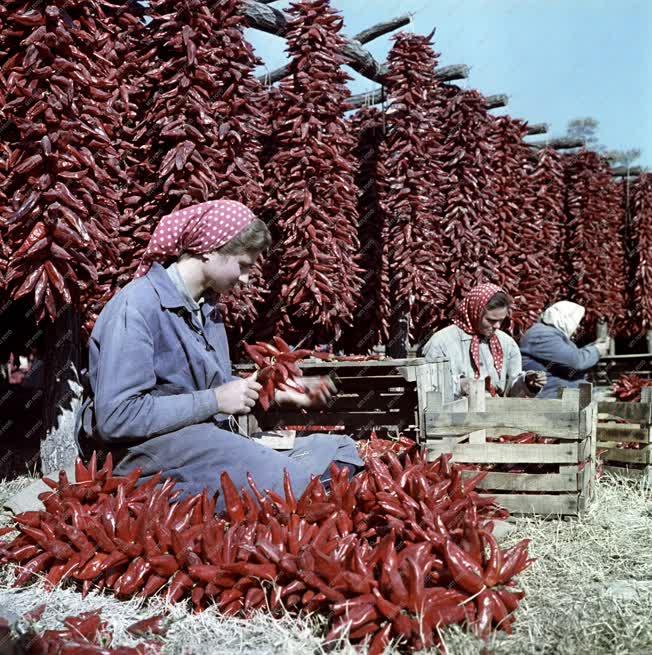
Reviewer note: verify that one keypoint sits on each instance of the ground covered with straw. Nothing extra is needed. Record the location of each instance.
(589, 592)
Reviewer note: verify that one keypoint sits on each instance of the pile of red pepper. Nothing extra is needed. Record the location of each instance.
(88, 634)
(309, 180)
(375, 447)
(641, 239)
(63, 172)
(628, 387)
(398, 551)
(412, 199)
(596, 274)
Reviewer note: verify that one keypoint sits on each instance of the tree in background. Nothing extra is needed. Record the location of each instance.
(587, 129)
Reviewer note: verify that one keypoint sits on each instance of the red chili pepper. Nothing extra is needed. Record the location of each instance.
(153, 625)
(464, 571)
(234, 507)
(35, 565)
(495, 562)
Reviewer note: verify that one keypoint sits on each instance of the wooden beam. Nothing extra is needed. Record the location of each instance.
(496, 101)
(375, 96)
(623, 171)
(537, 128)
(380, 29)
(560, 143)
(264, 18)
(273, 21)
(452, 73)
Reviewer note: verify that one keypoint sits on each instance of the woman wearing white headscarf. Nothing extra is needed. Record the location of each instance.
(548, 346)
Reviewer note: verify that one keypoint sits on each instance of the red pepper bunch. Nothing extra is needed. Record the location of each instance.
(200, 128)
(198, 135)
(544, 281)
(88, 634)
(371, 322)
(641, 240)
(375, 447)
(412, 198)
(469, 233)
(63, 167)
(398, 551)
(309, 180)
(595, 248)
(277, 368)
(628, 387)
(519, 229)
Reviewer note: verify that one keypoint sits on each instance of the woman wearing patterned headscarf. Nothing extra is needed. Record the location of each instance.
(164, 396)
(477, 348)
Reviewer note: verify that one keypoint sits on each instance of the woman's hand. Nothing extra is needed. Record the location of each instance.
(536, 380)
(237, 397)
(603, 345)
(318, 392)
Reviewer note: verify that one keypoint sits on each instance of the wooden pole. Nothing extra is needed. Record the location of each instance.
(624, 171)
(537, 128)
(63, 392)
(274, 21)
(496, 101)
(560, 143)
(380, 29)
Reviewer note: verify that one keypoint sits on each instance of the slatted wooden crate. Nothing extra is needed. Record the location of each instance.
(388, 394)
(567, 483)
(624, 422)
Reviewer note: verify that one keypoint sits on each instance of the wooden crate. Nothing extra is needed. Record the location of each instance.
(388, 394)
(572, 420)
(637, 428)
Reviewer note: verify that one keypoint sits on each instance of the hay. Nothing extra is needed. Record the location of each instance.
(586, 593)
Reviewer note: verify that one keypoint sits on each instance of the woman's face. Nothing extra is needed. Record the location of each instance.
(223, 272)
(492, 320)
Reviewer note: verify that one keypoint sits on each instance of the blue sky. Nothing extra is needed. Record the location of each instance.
(555, 59)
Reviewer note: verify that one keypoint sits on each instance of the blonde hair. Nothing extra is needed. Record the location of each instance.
(254, 238)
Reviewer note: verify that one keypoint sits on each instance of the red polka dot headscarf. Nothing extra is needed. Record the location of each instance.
(195, 230)
(469, 316)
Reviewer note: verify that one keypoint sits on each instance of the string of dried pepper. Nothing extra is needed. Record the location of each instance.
(641, 258)
(63, 165)
(277, 369)
(371, 320)
(309, 181)
(595, 248)
(412, 198)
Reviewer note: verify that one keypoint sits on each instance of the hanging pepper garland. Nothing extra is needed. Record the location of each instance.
(548, 181)
(63, 202)
(412, 200)
(595, 248)
(309, 180)
(469, 231)
(641, 248)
